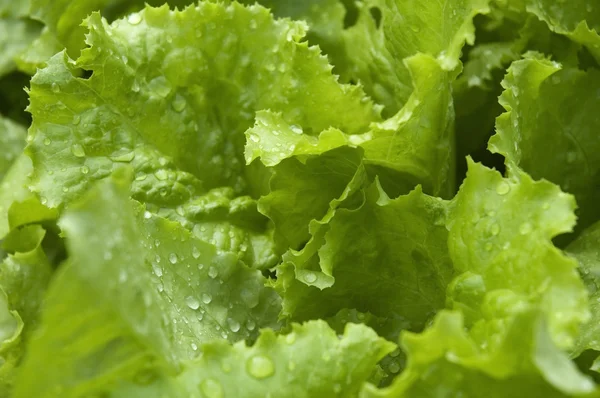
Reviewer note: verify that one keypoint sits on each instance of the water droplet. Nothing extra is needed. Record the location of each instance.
(85, 169)
(254, 138)
(195, 252)
(290, 338)
(134, 19)
(122, 276)
(147, 215)
(173, 258)
(571, 157)
(494, 229)
(253, 24)
(337, 388)
(200, 266)
(179, 103)
(555, 79)
(234, 325)
(310, 277)
(488, 246)
(395, 353)
(158, 271)
(260, 366)
(213, 272)
(65, 189)
(415, 28)
(47, 141)
(211, 388)
(525, 228)
(123, 156)
(394, 367)
(55, 88)
(160, 86)
(206, 298)
(192, 302)
(546, 206)
(161, 175)
(250, 325)
(502, 188)
(135, 87)
(296, 129)
(194, 347)
(76, 119)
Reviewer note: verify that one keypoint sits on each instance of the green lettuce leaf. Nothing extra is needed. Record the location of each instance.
(180, 292)
(13, 188)
(550, 120)
(580, 21)
(500, 232)
(12, 142)
(24, 277)
(445, 361)
(389, 31)
(416, 146)
(126, 110)
(16, 32)
(388, 257)
(586, 250)
(310, 361)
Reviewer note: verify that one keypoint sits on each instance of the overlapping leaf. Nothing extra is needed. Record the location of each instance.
(137, 290)
(551, 120)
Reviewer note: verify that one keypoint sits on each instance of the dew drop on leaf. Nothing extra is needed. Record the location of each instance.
(211, 388)
(195, 252)
(502, 188)
(134, 19)
(234, 325)
(178, 103)
(525, 228)
(260, 367)
(494, 229)
(192, 302)
(310, 277)
(157, 270)
(206, 298)
(394, 367)
(250, 325)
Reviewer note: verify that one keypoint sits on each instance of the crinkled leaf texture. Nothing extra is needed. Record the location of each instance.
(586, 250)
(387, 256)
(24, 276)
(551, 119)
(137, 293)
(517, 304)
(310, 361)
